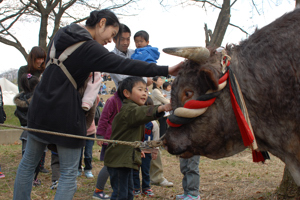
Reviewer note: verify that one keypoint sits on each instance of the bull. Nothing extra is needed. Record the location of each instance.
(267, 68)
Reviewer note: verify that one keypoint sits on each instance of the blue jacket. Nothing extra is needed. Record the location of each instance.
(148, 54)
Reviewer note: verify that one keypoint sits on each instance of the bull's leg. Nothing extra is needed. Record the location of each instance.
(294, 167)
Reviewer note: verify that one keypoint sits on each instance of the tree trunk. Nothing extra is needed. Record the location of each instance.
(220, 27)
(288, 188)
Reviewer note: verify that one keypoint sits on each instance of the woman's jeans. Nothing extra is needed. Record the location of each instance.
(145, 168)
(88, 154)
(121, 182)
(68, 159)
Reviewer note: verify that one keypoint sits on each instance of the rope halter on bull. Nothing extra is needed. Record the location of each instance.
(195, 108)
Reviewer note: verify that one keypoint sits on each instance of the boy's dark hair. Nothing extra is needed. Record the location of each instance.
(142, 34)
(149, 102)
(28, 82)
(122, 29)
(165, 85)
(127, 84)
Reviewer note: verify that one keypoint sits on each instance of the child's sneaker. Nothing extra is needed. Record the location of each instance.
(191, 197)
(136, 193)
(79, 173)
(2, 175)
(36, 182)
(148, 193)
(88, 174)
(54, 185)
(181, 196)
(100, 195)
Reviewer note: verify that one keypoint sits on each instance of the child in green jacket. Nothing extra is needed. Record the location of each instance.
(128, 125)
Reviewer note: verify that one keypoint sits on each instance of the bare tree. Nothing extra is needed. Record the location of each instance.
(215, 37)
(51, 15)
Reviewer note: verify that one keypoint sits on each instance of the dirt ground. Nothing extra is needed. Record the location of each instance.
(236, 177)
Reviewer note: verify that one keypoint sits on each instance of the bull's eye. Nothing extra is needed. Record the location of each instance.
(187, 94)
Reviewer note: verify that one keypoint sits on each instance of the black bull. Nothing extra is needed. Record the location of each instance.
(267, 67)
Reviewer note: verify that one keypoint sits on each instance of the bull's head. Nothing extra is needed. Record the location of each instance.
(199, 74)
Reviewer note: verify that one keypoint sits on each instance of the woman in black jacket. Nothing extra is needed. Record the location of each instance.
(56, 104)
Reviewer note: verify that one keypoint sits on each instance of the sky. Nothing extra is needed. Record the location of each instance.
(172, 27)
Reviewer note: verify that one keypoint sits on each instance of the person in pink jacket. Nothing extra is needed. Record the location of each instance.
(88, 100)
(112, 107)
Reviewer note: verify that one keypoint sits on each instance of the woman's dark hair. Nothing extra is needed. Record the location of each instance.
(127, 84)
(142, 34)
(28, 82)
(97, 15)
(155, 78)
(122, 29)
(165, 85)
(35, 53)
(149, 102)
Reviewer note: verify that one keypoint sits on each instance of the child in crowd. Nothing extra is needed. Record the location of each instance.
(55, 170)
(89, 103)
(1, 174)
(150, 54)
(22, 101)
(189, 167)
(112, 107)
(144, 51)
(167, 90)
(128, 125)
(151, 133)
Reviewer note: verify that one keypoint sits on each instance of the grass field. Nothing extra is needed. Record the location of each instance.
(236, 177)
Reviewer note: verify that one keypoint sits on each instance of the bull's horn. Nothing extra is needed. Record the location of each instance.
(189, 113)
(197, 54)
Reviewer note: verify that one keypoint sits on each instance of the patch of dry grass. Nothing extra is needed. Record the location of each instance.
(236, 177)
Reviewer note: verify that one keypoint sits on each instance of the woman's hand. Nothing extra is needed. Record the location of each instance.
(100, 143)
(174, 69)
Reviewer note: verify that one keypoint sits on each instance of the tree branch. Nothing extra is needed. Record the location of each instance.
(239, 28)
(233, 3)
(255, 7)
(16, 44)
(119, 5)
(205, 1)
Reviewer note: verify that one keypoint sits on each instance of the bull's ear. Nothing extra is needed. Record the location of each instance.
(209, 77)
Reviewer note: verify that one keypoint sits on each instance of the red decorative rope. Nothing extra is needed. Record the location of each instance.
(195, 104)
(173, 124)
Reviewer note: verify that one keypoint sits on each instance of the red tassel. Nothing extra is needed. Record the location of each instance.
(246, 132)
(257, 156)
